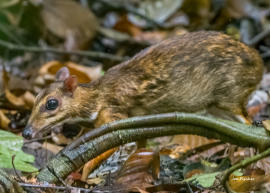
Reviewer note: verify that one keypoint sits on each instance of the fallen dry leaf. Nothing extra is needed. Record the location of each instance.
(26, 100)
(135, 172)
(52, 147)
(17, 101)
(193, 173)
(94, 181)
(78, 29)
(47, 73)
(175, 150)
(264, 164)
(141, 191)
(191, 140)
(75, 175)
(198, 12)
(18, 83)
(60, 139)
(266, 124)
(154, 37)
(265, 83)
(247, 183)
(254, 110)
(29, 99)
(91, 165)
(179, 150)
(266, 187)
(4, 121)
(84, 74)
(158, 11)
(156, 165)
(115, 162)
(252, 172)
(257, 102)
(125, 26)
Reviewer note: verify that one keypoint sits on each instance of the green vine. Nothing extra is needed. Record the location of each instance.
(124, 131)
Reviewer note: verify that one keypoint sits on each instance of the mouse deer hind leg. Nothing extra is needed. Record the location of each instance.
(243, 117)
(248, 121)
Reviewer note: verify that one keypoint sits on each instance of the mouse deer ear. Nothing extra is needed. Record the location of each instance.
(71, 84)
(62, 74)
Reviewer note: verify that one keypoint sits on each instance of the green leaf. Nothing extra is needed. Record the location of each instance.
(10, 145)
(208, 164)
(238, 173)
(6, 162)
(205, 180)
(102, 72)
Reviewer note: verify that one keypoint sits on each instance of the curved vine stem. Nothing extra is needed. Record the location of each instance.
(237, 130)
(243, 164)
(128, 130)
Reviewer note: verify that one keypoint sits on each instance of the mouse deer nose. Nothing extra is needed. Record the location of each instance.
(27, 132)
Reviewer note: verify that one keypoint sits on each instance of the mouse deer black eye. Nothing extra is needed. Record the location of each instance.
(52, 104)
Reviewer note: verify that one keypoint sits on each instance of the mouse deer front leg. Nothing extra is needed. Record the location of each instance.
(105, 116)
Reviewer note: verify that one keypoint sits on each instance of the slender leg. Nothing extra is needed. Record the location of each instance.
(248, 122)
(231, 153)
(104, 117)
(245, 120)
(141, 144)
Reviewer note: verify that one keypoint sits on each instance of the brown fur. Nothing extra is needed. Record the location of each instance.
(187, 73)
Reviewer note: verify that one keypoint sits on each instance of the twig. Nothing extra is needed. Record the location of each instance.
(266, 51)
(42, 186)
(52, 187)
(243, 164)
(258, 38)
(91, 54)
(264, 48)
(62, 181)
(189, 188)
(15, 169)
(9, 34)
(109, 181)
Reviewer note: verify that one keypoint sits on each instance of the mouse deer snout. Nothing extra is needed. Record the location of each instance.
(28, 132)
